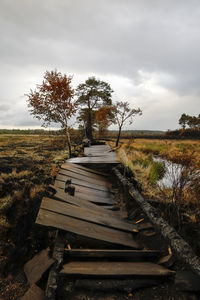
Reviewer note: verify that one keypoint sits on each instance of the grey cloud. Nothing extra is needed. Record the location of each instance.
(109, 38)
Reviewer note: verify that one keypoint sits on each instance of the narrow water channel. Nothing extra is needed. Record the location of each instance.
(172, 173)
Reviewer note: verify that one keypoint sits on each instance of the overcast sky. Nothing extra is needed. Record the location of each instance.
(148, 50)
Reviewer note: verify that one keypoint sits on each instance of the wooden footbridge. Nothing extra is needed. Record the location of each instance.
(83, 204)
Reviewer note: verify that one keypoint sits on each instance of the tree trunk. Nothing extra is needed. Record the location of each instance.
(118, 137)
(69, 142)
(89, 127)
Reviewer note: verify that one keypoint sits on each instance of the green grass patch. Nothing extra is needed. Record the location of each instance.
(157, 172)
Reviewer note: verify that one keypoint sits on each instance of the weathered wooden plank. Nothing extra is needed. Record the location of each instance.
(98, 152)
(60, 194)
(137, 255)
(81, 182)
(33, 293)
(51, 219)
(94, 198)
(76, 174)
(94, 160)
(71, 168)
(90, 191)
(89, 215)
(35, 267)
(103, 150)
(115, 269)
(77, 166)
(99, 147)
(82, 194)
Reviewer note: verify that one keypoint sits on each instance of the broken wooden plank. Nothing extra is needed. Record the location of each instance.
(33, 293)
(35, 267)
(187, 281)
(76, 174)
(60, 195)
(85, 190)
(51, 219)
(68, 165)
(89, 215)
(137, 255)
(114, 269)
(92, 198)
(81, 182)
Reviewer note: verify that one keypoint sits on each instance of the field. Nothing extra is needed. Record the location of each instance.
(28, 164)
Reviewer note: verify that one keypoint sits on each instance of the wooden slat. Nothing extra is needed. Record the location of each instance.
(94, 198)
(71, 168)
(76, 174)
(94, 160)
(35, 267)
(103, 150)
(90, 191)
(101, 174)
(82, 194)
(81, 182)
(60, 194)
(115, 269)
(86, 214)
(51, 219)
(137, 255)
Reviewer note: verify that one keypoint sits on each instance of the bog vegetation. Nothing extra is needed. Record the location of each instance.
(179, 203)
(28, 164)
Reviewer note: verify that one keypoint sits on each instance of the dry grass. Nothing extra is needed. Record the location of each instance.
(15, 175)
(36, 190)
(5, 203)
(170, 149)
(137, 156)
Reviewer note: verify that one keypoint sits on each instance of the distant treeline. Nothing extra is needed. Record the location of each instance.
(187, 133)
(30, 131)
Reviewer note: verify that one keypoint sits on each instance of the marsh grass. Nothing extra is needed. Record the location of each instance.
(179, 203)
(28, 165)
(5, 204)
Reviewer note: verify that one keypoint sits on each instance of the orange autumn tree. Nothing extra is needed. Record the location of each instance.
(104, 118)
(52, 101)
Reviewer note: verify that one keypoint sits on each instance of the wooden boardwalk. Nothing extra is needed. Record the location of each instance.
(82, 204)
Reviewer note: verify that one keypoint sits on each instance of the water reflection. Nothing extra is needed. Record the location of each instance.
(172, 173)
